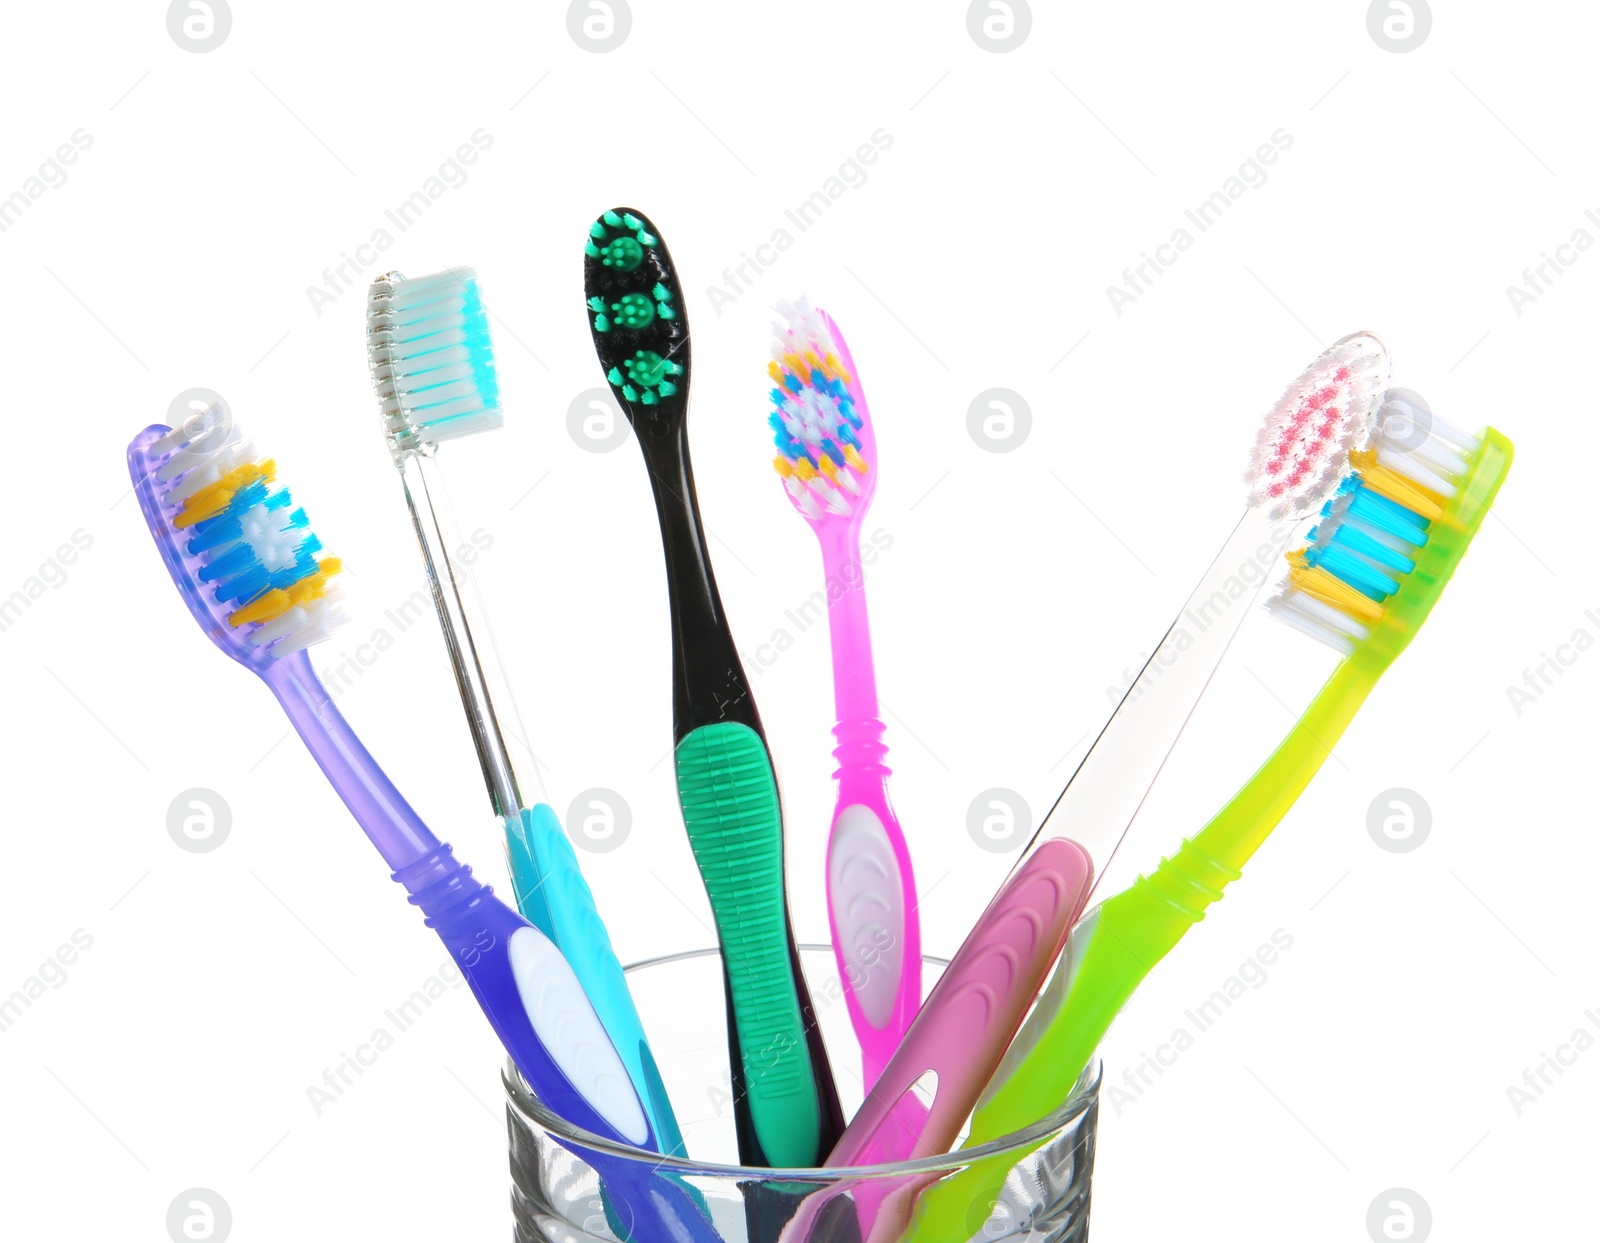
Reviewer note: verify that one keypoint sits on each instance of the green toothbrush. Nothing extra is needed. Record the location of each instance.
(1373, 569)
(784, 1102)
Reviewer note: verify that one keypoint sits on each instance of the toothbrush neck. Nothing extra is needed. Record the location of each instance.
(472, 664)
(389, 821)
(855, 686)
(1235, 833)
(708, 680)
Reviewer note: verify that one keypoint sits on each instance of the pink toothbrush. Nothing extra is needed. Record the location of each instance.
(961, 1035)
(827, 456)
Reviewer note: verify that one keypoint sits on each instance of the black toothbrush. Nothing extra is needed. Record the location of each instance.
(785, 1105)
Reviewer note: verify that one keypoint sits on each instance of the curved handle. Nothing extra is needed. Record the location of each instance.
(571, 1033)
(784, 1097)
(977, 1006)
(545, 868)
(877, 937)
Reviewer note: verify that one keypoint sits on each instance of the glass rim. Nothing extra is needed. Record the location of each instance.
(1085, 1093)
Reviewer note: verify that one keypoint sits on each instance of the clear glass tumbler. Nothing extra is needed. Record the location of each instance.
(559, 1196)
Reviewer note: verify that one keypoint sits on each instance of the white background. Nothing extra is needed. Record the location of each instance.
(976, 254)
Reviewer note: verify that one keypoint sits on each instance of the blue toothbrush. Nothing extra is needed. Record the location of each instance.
(432, 365)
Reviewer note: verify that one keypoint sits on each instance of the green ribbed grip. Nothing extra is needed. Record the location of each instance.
(729, 799)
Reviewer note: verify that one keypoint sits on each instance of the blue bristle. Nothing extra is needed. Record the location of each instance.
(778, 397)
(788, 445)
(792, 383)
(1388, 515)
(237, 572)
(480, 350)
(1362, 543)
(1351, 569)
(849, 437)
(833, 451)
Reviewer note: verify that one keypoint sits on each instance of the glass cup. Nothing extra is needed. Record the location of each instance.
(560, 1196)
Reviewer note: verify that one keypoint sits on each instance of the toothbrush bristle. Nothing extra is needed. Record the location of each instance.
(1368, 536)
(1303, 450)
(819, 427)
(636, 315)
(431, 358)
(261, 568)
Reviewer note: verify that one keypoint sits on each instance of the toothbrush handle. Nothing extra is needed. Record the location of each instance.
(783, 1096)
(525, 988)
(536, 1005)
(708, 680)
(548, 881)
(389, 821)
(872, 901)
(785, 1105)
(975, 1009)
(531, 997)
(1118, 943)
(872, 894)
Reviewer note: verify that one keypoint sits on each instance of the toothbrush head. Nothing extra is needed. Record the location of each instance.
(242, 554)
(1303, 451)
(636, 316)
(431, 358)
(827, 456)
(1394, 532)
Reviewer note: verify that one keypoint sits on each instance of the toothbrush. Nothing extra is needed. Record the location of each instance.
(247, 564)
(1374, 567)
(784, 1103)
(1300, 457)
(827, 458)
(432, 364)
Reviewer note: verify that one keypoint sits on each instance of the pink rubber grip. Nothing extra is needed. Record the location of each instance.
(974, 1011)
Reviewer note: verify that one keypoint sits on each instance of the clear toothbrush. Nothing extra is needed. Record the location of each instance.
(828, 460)
(253, 576)
(432, 363)
(971, 1016)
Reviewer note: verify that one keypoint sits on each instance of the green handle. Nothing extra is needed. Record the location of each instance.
(729, 798)
(1114, 947)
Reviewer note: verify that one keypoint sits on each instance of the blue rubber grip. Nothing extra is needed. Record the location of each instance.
(554, 897)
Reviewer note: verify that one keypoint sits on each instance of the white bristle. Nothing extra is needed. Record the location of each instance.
(1302, 452)
(809, 505)
(1321, 621)
(301, 627)
(431, 360)
(1411, 441)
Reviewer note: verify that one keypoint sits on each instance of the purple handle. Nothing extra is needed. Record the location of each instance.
(976, 1008)
(381, 810)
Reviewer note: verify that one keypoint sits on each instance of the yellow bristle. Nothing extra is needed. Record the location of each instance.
(782, 466)
(212, 499)
(836, 368)
(797, 364)
(805, 470)
(855, 459)
(280, 600)
(1396, 487)
(776, 372)
(826, 466)
(1317, 582)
